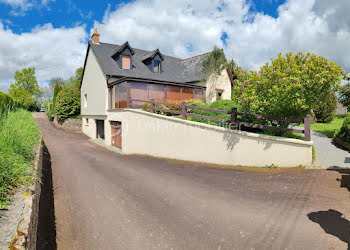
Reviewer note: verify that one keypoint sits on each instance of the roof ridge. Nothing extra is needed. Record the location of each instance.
(195, 56)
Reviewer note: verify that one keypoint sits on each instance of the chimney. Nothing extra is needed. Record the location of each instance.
(95, 38)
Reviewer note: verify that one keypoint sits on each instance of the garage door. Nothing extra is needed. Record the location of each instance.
(116, 134)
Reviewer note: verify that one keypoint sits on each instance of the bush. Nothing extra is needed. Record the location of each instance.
(50, 115)
(326, 111)
(290, 86)
(6, 102)
(226, 105)
(344, 133)
(67, 104)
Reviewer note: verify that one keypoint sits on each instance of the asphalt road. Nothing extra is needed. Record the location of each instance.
(108, 201)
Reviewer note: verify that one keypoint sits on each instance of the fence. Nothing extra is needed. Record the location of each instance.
(233, 121)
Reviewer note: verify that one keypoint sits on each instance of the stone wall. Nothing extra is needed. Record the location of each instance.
(72, 124)
(20, 221)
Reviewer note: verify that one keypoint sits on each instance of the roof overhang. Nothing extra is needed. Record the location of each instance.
(132, 79)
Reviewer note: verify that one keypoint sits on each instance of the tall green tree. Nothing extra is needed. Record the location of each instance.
(56, 90)
(214, 62)
(25, 89)
(291, 86)
(67, 102)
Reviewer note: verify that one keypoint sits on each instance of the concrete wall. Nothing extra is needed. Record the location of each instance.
(89, 125)
(218, 82)
(95, 86)
(162, 136)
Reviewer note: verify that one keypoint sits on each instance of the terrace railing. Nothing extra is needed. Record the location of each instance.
(233, 121)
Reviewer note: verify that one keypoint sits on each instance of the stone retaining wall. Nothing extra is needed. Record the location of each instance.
(72, 124)
(20, 221)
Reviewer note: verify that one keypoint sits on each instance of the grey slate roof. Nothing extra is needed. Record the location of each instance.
(173, 69)
(151, 54)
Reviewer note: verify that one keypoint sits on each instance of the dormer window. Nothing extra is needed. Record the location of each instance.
(126, 62)
(156, 66)
(123, 56)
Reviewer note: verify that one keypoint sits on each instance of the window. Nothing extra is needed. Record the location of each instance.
(85, 100)
(86, 121)
(126, 62)
(156, 66)
(219, 94)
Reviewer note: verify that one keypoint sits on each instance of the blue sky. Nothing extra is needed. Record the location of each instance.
(69, 13)
(52, 35)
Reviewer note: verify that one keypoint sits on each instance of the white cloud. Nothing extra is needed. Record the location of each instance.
(19, 7)
(184, 28)
(22, 4)
(320, 26)
(54, 52)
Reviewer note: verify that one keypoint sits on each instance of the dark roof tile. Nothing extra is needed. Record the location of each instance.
(173, 69)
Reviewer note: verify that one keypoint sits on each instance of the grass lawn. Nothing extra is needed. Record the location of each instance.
(329, 129)
(19, 134)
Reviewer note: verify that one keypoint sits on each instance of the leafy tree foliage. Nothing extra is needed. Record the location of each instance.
(344, 93)
(214, 63)
(25, 89)
(66, 100)
(67, 103)
(344, 132)
(57, 89)
(291, 86)
(326, 111)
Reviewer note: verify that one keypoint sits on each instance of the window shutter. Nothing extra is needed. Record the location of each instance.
(125, 62)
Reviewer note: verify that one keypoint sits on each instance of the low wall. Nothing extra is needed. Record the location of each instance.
(19, 222)
(162, 136)
(72, 124)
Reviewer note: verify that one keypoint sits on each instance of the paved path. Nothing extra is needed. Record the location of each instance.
(108, 201)
(328, 154)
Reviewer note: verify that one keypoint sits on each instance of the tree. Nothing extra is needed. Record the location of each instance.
(58, 84)
(326, 111)
(214, 63)
(67, 103)
(25, 89)
(291, 86)
(344, 93)
(67, 99)
(75, 80)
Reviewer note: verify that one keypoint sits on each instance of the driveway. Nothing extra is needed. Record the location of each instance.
(104, 200)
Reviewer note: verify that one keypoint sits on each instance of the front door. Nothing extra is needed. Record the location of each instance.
(100, 129)
(116, 134)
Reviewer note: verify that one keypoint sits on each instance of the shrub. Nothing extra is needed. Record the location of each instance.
(271, 166)
(67, 103)
(344, 133)
(291, 86)
(6, 102)
(146, 107)
(196, 103)
(226, 105)
(325, 112)
(50, 115)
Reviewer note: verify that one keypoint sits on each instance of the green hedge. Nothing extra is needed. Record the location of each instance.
(6, 102)
(67, 103)
(344, 133)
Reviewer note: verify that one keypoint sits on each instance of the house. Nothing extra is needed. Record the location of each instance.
(115, 74)
(341, 109)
